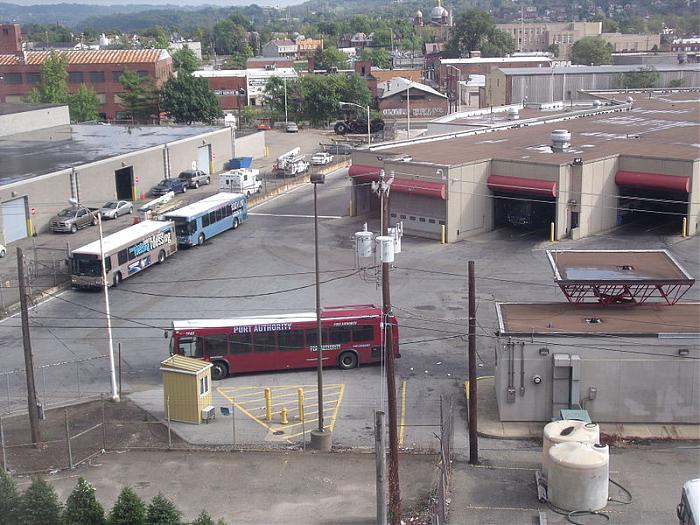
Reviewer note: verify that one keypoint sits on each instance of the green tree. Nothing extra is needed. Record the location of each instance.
(39, 505)
(129, 509)
(9, 499)
(53, 88)
(206, 519)
(475, 30)
(331, 57)
(162, 511)
(591, 50)
(676, 83)
(82, 508)
(554, 50)
(644, 77)
(379, 57)
(140, 99)
(229, 37)
(238, 60)
(185, 60)
(188, 99)
(84, 105)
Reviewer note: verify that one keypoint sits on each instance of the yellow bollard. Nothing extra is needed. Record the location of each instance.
(551, 232)
(283, 417)
(684, 227)
(268, 404)
(300, 393)
(442, 234)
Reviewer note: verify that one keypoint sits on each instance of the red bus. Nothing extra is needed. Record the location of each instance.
(352, 335)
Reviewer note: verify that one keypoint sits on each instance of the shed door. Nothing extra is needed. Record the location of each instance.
(203, 158)
(14, 219)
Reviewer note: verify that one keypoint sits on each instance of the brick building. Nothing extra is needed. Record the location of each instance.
(374, 76)
(98, 70)
(398, 96)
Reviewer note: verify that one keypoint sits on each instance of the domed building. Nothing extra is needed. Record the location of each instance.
(439, 16)
(418, 19)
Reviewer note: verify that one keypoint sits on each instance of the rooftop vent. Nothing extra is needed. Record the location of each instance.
(597, 103)
(513, 114)
(594, 320)
(561, 140)
(625, 268)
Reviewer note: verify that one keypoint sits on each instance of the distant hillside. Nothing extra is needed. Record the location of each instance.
(69, 15)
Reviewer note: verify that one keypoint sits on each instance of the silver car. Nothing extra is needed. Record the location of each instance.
(113, 209)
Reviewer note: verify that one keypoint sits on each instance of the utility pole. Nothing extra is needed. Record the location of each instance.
(380, 456)
(28, 360)
(394, 488)
(473, 438)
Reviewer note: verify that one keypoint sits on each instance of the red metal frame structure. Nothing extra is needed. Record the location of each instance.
(619, 277)
(352, 336)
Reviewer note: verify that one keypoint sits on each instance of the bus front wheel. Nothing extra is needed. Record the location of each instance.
(219, 371)
(200, 239)
(116, 279)
(161, 256)
(235, 224)
(347, 360)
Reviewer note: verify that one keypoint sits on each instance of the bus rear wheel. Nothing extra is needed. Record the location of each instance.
(161, 256)
(200, 239)
(219, 371)
(347, 360)
(116, 279)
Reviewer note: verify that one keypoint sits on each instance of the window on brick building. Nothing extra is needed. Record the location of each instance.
(75, 77)
(32, 78)
(13, 78)
(143, 74)
(97, 77)
(116, 75)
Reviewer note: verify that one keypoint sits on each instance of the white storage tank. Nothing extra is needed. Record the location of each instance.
(567, 431)
(578, 476)
(385, 247)
(363, 242)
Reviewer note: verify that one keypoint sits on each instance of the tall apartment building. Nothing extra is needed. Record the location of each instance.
(98, 70)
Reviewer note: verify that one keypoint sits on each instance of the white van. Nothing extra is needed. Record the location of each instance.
(689, 507)
(241, 180)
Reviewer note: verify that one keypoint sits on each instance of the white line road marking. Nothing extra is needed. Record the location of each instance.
(296, 216)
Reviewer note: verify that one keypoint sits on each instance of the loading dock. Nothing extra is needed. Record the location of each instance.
(204, 158)
(651, 199)
(124, 183)
(523, 203)
(14, 219)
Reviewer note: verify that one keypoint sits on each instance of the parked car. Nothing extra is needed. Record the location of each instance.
(194, 178)
(175, 185)
(292, 127)
(321, 159)
(113, 209)
(338, 149)
(2, 250)
(73, 219)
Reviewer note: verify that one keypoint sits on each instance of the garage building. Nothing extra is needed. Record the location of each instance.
(628, 158)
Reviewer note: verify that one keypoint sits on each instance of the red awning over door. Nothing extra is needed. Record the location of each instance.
(364, 173)
(436, 190)
(521, 185)
(639, 179)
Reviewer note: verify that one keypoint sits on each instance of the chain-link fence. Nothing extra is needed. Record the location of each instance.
(444, 463)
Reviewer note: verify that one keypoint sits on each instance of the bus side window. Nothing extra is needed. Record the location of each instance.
(266, 342)
(191, 346)
(217, 344)
(340, 335)
(240, 344)
(108, 263)
(122, 257)
(363, 333)
(312, 340)
(212, 217)
(205, 220)
(291, 340)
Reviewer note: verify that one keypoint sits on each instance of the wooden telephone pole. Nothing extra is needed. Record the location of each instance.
(32, 406)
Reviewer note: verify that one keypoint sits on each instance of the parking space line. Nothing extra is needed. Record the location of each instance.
(403, 413)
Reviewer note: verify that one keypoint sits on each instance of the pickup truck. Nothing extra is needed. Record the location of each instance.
(73, 219)
(175, 185)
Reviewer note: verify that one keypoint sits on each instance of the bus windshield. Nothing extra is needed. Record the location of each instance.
(183, 227)
(86, 265)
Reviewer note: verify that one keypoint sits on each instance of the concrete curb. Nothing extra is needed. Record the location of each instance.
(35, 298)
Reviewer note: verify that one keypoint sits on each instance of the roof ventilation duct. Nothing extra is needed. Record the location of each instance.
(513, 114)
(561, 140)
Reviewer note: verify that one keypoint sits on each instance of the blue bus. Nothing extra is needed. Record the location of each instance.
(197, 222)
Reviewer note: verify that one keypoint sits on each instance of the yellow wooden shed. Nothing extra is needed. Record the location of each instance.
(187, 389)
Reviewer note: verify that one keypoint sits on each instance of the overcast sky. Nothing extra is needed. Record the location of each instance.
(280, 3)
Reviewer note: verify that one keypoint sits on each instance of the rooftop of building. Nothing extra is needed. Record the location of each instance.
(257, 72)
(663, 125)
(401, 85)
(585, 70)
(11, 109)
(26, 158)
(102, 56)
(615, 265)
(562, 319)
(494, 60)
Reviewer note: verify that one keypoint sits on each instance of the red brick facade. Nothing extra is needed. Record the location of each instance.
(231, 91)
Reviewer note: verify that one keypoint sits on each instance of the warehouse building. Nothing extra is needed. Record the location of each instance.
(582, 171)
(51, 162)
(515, 85)
(622, 348)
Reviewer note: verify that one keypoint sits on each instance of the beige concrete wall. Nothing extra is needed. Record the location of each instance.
(496, 88)
(183, 152)
(598, 198)
(251, 145)
(694, 207)
(469, 202)
(33, 119)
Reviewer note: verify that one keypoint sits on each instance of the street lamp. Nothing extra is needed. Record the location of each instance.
(369, 133)
(286, 122)
(320, 439)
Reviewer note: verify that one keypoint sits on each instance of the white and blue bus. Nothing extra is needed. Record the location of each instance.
(197, 222)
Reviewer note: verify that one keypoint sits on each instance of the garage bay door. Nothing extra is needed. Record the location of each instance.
(203, 158)
(14, 220)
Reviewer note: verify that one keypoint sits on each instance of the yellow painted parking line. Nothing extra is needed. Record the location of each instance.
(403, 413)
(334, 414)
(466, 385)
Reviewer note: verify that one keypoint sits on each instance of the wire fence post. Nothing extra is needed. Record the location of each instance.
(2, 294)
(2, 444)
(43, 382)
(70, 451)
(233, 422)
(119, 362)
(77, 373)
(104, 424)
(7, 385)
(170, 441)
